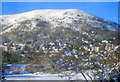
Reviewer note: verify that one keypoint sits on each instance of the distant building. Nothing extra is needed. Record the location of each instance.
(3, 48)
(96, 49)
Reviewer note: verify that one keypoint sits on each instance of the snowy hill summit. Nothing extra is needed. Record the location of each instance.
(54, 24)
(69, 18)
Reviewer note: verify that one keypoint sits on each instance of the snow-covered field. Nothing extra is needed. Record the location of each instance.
(41, 76)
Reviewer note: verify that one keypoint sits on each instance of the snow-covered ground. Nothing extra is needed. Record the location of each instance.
(43, 76)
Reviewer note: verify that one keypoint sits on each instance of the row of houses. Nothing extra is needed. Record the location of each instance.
(33, 47)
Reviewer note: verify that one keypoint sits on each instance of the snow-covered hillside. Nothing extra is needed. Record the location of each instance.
(70, 18)
(55, 41)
